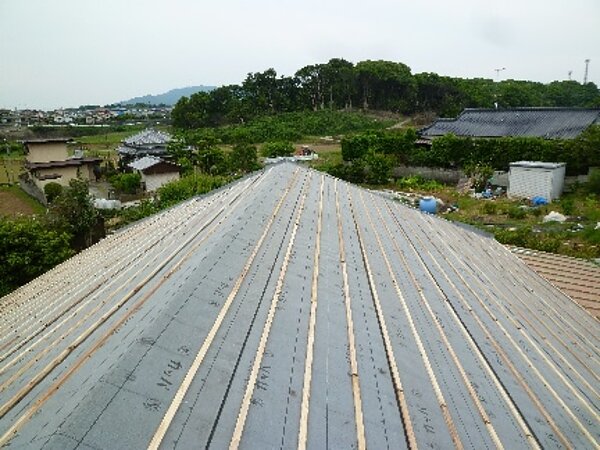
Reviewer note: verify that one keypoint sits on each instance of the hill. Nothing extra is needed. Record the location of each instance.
(168, 98)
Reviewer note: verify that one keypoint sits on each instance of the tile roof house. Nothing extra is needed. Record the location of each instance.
(155, 172)
(549, 123)
(47, 160)
(292, 309)
(148, 142)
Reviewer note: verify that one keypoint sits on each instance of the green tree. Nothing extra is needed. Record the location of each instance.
(244, 158)
(211, 160)
(340, 83)
(260, 92)
(73, 212)
(127, 183)
(27, 250)
(378, 168)
(52, 190)
(386, 85)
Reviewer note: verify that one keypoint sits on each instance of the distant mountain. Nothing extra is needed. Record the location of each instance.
(168, 98)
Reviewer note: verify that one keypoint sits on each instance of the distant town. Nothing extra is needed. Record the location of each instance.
(88, 115)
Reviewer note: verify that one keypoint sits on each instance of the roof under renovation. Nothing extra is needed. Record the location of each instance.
(550, 123)
(291, 309)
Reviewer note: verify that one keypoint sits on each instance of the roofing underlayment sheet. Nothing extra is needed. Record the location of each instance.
(294, 310)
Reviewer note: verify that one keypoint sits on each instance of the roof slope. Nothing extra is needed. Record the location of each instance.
(146, 142)
(150, 161)
(292, 309)
(578, 278)
(565, 123)
(148, 136)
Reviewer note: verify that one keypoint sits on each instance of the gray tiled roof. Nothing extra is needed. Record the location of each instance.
(144, 163)
(566, 123)
(291, 309)
(146, 142)
(148, 137)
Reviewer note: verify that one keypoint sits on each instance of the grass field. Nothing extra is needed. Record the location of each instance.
(15, 202)
(10, 170)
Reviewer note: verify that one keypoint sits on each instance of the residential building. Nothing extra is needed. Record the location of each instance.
(155, 172)
(47, 161)
(149, 142)
(548, 123)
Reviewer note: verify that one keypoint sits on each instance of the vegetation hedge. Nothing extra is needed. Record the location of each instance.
(453, 152)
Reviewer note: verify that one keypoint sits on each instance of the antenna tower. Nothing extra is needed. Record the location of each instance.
(585, 75)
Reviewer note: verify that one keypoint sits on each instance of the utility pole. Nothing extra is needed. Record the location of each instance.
(570, 73)
(585, 75)
(498, 72)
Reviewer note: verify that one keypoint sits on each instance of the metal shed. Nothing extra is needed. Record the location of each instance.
(529, 179)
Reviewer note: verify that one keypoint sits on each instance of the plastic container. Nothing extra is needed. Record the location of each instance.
(428, 204)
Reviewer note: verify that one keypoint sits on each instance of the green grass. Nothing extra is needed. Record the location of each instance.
(10, 170)
(329, 155)
(18, 200)
(106, 138)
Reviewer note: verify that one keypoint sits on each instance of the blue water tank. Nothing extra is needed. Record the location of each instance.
(428, 205)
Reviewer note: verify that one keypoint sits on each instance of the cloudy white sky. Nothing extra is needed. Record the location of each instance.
(64, 53)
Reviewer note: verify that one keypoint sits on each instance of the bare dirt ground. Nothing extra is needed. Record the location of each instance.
(12, 204)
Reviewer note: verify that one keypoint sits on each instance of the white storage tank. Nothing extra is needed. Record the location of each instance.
(527, 179)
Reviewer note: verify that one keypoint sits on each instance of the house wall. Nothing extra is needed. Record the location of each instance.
(46, 151)
(87, 172)
(154, 181)
(66, 173)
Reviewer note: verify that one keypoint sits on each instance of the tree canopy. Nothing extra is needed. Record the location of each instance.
(28, 248)
(370, 85)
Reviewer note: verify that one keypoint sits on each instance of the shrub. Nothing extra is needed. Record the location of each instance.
(538, 211)
(127, 183)
(243, 157)
(379, 168)
(188, 187)
(417, 182)
(568, 206)
(518, 237)
(52, 190)
(275, 149)
(593, 184)
(28, 249)
(592, 235)
(490, 208)
(515, 212)
(480, 173)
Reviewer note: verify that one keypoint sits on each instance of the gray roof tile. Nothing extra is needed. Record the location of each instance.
(565, 123)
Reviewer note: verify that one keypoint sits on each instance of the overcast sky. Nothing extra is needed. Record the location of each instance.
(65, 53)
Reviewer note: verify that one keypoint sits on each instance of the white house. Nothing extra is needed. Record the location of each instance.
(155, 172)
